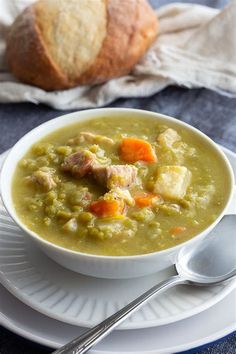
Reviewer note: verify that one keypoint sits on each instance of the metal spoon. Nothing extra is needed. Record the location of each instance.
(212, 261)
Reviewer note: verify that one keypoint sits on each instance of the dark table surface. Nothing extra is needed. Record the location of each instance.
(213, 114)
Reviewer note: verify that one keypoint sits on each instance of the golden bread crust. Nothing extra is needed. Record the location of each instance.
(73, 32)
(130, 29)
(27, 56)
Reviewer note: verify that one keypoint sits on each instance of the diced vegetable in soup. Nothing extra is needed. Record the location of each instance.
(113, 186)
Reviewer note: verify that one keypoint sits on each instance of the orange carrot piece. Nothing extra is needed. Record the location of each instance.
(144, 199)
(105, 208)
(177, 230)
(133, 149)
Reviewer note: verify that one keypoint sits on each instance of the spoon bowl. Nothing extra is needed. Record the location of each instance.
(211, 261)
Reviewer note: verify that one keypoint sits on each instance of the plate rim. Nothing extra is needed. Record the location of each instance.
(9, 324)
(230, 286)
(129, 325)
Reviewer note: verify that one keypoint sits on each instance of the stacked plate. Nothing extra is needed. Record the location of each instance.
(51, 305)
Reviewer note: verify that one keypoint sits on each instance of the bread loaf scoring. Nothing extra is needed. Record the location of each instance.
(58, 44)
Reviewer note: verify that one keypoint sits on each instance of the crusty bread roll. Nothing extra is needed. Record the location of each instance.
(58, 44)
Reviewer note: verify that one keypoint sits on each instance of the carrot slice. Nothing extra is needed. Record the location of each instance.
(144, 199)
(133, 149)
(177, 230)
(105, 208)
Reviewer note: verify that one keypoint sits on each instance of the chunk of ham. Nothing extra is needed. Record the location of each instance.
(79, 164)
(91, 138)
(110, 176)
(43, 178)
(115, 175)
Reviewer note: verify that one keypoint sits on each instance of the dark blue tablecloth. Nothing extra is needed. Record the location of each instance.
(213, 114)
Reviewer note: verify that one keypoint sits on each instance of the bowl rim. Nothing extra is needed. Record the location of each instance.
(79, 115)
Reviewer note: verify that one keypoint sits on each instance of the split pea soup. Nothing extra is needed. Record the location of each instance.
(115, 186)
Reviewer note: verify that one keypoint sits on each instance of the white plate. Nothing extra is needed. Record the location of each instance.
(183, 335)
(84, 301)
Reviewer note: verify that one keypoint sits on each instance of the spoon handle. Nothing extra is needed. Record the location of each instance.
(83, 343)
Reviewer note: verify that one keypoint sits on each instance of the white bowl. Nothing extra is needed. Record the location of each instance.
(94, 265)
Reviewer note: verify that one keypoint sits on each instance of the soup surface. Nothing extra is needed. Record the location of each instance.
(115, 186)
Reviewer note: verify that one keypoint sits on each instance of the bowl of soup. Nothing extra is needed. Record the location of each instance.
(114, 192)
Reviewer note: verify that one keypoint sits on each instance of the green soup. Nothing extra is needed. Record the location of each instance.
(119, 186)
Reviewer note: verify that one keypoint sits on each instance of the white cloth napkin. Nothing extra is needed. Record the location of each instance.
(196, 47)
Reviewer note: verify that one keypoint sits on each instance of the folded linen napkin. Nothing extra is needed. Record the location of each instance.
(196, 47)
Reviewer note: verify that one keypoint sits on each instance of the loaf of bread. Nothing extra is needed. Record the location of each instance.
(58, 44)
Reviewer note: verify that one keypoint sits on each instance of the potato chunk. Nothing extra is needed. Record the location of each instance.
(168, 138)
(120, 193)
(172, 181)
(70, 226)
